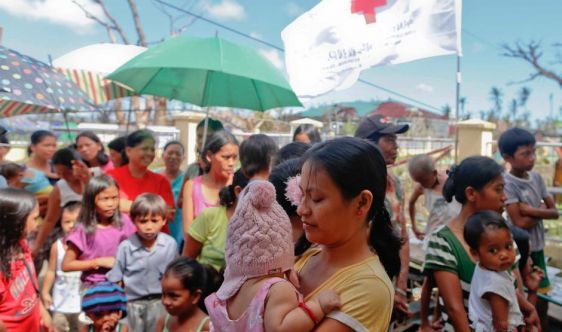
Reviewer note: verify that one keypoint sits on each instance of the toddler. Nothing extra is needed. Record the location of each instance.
(259, 257)
(105, 303)
(492, 305)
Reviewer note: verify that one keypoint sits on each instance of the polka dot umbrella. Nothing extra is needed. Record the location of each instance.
(30, 86)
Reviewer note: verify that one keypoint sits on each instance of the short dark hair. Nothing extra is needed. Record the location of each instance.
(138, 136)
(290, 151)
(148, 204)
(480, 222)
(65, 156)
(174, 142)
(512, 139)
(10, 170)
(309, 130)
(256, 153)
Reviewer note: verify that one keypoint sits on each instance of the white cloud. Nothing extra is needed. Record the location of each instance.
(256, 35)
(62, 12)
(274, 57)
(294, 9)
(226, 9)
(424, 87)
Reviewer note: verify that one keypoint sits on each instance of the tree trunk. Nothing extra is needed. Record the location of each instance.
(160, 116)
(138, 25)
(119, 114)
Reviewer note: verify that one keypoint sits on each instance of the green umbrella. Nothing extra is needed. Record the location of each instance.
(207, 72)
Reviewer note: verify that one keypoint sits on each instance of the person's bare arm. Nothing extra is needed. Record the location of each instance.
(160, 323)
(527, 308)
(451, 291)
(418, 191)
(282, 312)
(401, 300)
(518, 219)
(49, 279)
(3, 327)
(546, 211)
(187, 208)
(192, 247)
(72, 263)
(500, 309)
(53, 214)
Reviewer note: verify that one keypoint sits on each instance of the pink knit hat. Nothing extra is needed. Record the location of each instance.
(258, 239)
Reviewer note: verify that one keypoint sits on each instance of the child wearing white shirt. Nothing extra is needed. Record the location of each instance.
(492, 305)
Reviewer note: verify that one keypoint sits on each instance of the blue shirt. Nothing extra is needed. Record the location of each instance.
(141, 269)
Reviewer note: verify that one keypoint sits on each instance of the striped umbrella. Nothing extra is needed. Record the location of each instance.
(87, 65)
(30, 86)
(96, 87)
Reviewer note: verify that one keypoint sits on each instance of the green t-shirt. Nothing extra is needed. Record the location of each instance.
(209, 228)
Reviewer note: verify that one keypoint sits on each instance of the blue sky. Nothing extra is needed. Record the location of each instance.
(54, 27)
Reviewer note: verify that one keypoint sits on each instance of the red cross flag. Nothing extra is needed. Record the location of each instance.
(327, 47)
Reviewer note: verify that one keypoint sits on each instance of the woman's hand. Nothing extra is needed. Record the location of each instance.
(401, 308)
(433, 326)
(533, 279)
(46, 321)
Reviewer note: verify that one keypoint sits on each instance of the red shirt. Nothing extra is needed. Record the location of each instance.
(130, 187)
(19, 301)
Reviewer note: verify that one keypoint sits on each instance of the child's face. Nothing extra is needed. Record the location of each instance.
(175, 298)
(426, 180)
(149, 226)
(68, 219)
(523, 159)
(107, 203)
(491, 197)
(64, 172)
(105, 321)
(16, 181)
(31, 222)
(496, 251)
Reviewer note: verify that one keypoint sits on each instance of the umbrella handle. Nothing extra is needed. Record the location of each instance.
(205, 129)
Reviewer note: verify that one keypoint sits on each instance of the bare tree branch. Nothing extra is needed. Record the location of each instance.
(114, 25)
(531, 53)
(136, 20)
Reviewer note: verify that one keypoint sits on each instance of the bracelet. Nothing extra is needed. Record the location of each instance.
(309, 312)
(400, 291)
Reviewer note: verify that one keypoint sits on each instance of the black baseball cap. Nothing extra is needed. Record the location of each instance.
(376, 125)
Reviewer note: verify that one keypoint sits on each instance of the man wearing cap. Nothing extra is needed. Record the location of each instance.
(382, 132)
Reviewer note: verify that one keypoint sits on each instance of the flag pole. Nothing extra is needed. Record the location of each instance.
(457, 105)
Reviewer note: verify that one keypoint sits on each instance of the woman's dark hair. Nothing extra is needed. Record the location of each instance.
(215, 143)
(212, 124)
(355, 165)
(65, 156)
(138, 136)
(279, 177)
(513, 138)
(174, 142)
(480, 222)
(193, 276)
(473, 172)
(88, 216)
(227, 197)
(256, 153)
(310, 131)
(37, 137)
(290, 151)
(118, 144)
(16, 205)
(101, 157)
(521, 238)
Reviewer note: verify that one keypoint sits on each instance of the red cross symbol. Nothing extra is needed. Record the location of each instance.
(367, 7)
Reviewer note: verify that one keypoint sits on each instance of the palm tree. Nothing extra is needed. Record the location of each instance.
(496, 96)
(524, 95)
(462, 104)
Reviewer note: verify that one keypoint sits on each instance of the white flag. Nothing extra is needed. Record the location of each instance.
(327, 47)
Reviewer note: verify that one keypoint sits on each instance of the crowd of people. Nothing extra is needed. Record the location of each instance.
(253, 237)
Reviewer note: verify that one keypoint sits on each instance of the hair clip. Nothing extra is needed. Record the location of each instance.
(293, 192)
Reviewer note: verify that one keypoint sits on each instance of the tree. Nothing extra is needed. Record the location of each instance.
(113, 26)
(532, 53)
(462, 104)
(496, 96)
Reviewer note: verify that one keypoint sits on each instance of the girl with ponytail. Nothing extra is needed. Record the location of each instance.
(343, 183)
